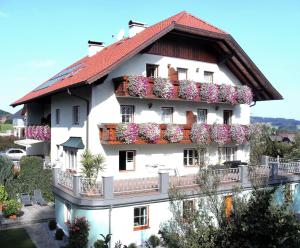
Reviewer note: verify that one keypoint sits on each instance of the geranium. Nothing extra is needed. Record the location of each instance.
(38, 132)
(173, 133)
(138, 86)
(238, 133)
(78, 232)
(200, 134)
(188, 90)
(209, 93)
(244, 95)
(163, 88)
(228, 94)
(149, 131)
(220, 134)
(127, 132)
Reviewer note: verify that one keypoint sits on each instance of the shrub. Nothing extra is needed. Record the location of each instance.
(238, 134)
(138, 86)
(173, 133)
(132, 245)
(228, 94)
(103, 243)
(220, 134)
(7, 142)
(52, 225)
(6, 170)
(244, 95)
(59, 234)
(200, 134)
(99, 244)
(12, 207)
(127, 132)
(32, 176)
(188, 90)
(149, 131)
(3, 194)
(209, 93)
(163, 88)
(153, 241)
(78, 232)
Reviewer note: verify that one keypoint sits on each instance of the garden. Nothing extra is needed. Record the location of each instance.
(15, 238)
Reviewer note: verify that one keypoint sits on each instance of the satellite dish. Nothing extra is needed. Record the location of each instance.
(121, 34)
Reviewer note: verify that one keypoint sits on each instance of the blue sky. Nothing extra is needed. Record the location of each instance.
(39, 38)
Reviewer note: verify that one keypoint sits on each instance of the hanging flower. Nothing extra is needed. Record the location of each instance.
(228, 94)
(38, 133)
(138, 86)
(244, 95)
(209, 93)
(163, 88)
(220, 134)
(188, 90)
(173, 133)
(127, 132)
(238, 134)
(149, 132)
(200, 134)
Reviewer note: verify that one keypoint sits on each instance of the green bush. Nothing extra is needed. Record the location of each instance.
(99, 244)
(7, 142)
(153, 241)
(59, 234)
(32, 176)
(3, 194)
(52, 225)
(12, 207)
(78, 233)
(6, 172)
(132, 245)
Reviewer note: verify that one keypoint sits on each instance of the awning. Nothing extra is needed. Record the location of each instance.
(27, 142)
(74, 142)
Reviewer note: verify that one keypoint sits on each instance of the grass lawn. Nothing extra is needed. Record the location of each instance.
(5, 127)
(15, 238)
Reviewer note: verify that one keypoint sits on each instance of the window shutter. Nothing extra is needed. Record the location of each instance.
(172, 74)
(190, 118)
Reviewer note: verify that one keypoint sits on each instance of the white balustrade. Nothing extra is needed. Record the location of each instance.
(136, 185)
(91, 187)
(65, 179)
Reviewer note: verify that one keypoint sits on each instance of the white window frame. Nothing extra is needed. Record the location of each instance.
(166, 115)
(67, 212)
(133, 152)
(143, 218)
(182, 71)
(208, 77)
(75, 114)
(227, 153)
(191, 154)
(127, 113)
(71, 158)
(202, 116)
(155, 74)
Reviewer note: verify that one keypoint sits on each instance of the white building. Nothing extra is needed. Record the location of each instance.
(88, 100)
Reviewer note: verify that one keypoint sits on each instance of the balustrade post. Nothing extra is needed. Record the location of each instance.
(55, 171)
(265, 160)
(244, 175)
(274, 171)
(76, 185)
(164, 182)
(108, 187)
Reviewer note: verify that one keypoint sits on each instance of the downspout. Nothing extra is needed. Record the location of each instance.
(109, 223)
(87, 114)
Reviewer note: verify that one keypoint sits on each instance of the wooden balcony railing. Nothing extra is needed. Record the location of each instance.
(108, 135)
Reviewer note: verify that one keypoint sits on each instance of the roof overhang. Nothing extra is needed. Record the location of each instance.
(27, 142)
(73, 142)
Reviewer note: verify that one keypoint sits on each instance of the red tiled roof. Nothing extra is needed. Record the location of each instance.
(105, 60)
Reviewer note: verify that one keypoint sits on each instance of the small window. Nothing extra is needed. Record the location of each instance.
(151, 70)
(227, 154)
(191, 157)
(208, 77)
(227, 117)
(71, 158)
(167, 115)
(202, 116)
(127, 113)
(188, 207)
(57, 116)
(141, 218)
(126, 160)
(67, 212)
(76, 115)
(182, 73)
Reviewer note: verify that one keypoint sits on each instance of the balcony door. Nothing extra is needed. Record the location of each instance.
(126, 160)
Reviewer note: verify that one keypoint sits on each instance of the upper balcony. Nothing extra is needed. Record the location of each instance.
(151, 133)
(42, 133)
(183, 90)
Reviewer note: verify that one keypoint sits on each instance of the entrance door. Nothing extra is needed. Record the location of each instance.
(126, 160)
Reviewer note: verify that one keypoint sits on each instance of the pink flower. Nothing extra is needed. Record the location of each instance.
(138, 86)
(209, 93)
(244, 95)
(188, 90)
(220, 134)
(173, 133)
(200, 134)
(228, 94)
(149, 132)
(127, 132)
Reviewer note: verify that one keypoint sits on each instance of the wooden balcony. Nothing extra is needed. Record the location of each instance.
(108, 135)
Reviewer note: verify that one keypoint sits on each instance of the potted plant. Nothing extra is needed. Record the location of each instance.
(138, 86)
(244, 95)
(3, 196)
(127, 132)
(173, 133)
(12, 208)
(163, 88)
(188, 90)
(209, 93)
(149, 131)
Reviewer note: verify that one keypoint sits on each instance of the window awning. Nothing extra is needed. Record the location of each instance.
(74, 142)
(27, 142)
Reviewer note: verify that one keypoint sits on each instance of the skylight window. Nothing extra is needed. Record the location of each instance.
(60, 76)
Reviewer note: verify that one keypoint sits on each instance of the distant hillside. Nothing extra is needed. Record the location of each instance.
(2, 112)
(279, 123)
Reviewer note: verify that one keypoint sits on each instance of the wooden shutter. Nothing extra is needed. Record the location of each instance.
(172, 74)
(190, 118)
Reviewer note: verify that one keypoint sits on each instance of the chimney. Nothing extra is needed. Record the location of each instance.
(135, 28)
(94, 47)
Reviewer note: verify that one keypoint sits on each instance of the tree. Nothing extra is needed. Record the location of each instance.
(91, 164)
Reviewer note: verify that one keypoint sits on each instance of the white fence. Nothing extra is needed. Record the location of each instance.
(136, 185)
(91, 187)
(65, 179)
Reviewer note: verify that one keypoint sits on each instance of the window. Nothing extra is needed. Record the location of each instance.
(166, 115)
(227, 116)
(127, 113)
(141, 218)
(208, 77)
(202, 116)
(182, 73)
(227, 154)
(76, 115)
(126, 160)
(192, 158)
(71, 158)
(67, 211)
(188, 207)
(151, 70)
(57, 116)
